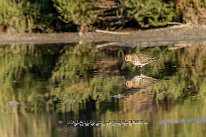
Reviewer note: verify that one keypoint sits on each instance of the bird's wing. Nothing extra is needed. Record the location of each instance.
(145, 59)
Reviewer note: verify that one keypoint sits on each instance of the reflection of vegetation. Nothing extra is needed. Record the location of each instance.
(72, 77)
(190, 79)
(182, 71)
(190, 109)
(75, 76)
(14, 62)
(15, 125)
(20, 67)
(187, 80)
(18, 84)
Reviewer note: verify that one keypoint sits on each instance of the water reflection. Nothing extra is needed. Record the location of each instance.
(47, 83)
(140, 81)
(76, 76)
(15, 125)
(194, 120)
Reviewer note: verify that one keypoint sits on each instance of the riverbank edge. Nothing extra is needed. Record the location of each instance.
(169, 34)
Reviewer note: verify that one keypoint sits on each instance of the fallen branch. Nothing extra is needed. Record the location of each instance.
(180, 46)
(180, 26)
(112, 32)
(105, 45)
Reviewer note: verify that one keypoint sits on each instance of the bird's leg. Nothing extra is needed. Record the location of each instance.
(141, 70)
(122, 66)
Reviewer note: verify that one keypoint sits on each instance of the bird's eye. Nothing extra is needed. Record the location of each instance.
(125, 58)
(128, 84)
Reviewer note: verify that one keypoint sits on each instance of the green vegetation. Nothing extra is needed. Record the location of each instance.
(149, 13)
(191, 11)
(81, 12)
(63, 15)
(16, 15)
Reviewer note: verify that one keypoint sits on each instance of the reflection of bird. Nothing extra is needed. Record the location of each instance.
(140, 59)
(140, 81)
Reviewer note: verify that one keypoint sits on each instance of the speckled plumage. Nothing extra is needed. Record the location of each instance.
(139, 59)
(140, 81)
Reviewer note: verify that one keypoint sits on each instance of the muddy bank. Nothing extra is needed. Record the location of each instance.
(151, 37)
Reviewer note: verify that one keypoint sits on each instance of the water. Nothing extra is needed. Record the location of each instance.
(54, 90)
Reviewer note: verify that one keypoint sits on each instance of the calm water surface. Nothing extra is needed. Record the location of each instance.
(44, 87)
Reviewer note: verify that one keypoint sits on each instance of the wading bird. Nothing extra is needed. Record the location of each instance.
(139, 59)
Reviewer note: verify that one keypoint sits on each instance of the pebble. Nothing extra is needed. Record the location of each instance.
(13, 103)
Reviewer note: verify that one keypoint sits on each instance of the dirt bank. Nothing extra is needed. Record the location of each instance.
(155, 36)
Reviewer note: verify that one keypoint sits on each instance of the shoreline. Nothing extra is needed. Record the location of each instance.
(167, 35)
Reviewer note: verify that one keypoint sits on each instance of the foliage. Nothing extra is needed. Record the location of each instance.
(11, 14)
(192, 11)
(63, 15)
(181, 5)
(81, 12)
(26, 15)
(149, 12)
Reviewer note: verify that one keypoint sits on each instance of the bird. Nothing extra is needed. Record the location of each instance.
(140, 81)
(139, 59)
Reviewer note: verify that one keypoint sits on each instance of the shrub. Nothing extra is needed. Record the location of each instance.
(81, 12)
(149, 12)
(24, 15)
(18, 15)
(192, 11)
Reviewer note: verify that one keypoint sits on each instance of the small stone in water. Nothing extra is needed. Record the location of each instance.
(13, 103)
(116, 71)
(118, 96)
(190, 86)
(70, 101)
